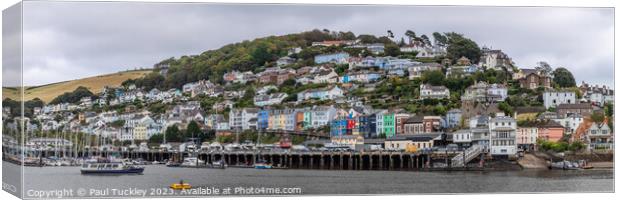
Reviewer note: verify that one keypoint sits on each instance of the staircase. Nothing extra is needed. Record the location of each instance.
(465, 156)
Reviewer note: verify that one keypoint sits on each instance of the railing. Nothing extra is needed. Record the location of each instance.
(464, 157)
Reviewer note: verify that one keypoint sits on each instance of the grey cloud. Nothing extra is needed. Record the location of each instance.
(77, 39)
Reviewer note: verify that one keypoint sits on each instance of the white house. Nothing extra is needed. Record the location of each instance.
(428, 91)
(269, 99)
(502, 130)
(555, 98)
(331, 92)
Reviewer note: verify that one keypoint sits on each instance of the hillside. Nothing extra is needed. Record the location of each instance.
(94, 84)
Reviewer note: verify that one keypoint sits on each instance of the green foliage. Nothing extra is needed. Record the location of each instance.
(73, 97)
(506, 108)
(597, 117)
(118, 123)
(560, 146)
(459, 46)
(392, 50)
(609, 109)
(433, 77)
(173, 134)
(192, 130)
(157, 108)
(563, 77)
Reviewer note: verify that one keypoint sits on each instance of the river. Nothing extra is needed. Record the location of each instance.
(43, 181)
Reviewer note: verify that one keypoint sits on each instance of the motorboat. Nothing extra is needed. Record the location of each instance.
(110, 168)
(192, 162)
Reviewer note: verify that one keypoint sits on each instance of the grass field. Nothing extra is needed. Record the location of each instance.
(94, 84)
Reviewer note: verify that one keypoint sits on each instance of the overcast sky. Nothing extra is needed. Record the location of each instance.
(70, 40)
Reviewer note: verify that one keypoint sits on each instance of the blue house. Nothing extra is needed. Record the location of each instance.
(263, 119)
(338, 127)
(453, 118)
(338, 58)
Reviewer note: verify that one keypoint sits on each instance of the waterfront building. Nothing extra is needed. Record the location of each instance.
(453, 118)
(527, 137)
(502, 130)
(389, 128)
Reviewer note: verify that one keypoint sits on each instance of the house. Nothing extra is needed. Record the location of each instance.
(599, 136)
(532, 79)
(484, 92)
(269, 99)
(399, 121)
(428, 91)
(374, 48)
(327, 93)
(570, 122)
(502, 130)
(284, 61)
(326, 76)
(550, 131)
(584, 109)
(432, 123)
(459, 71)
(320, 116)
(352, 141)
(361, 76)
(421, 141)
(417, 70)
(596, 94)
(555, 98)
(527, 137)
(453, 118)
(338, 58)
(494, 59)
(462, 137)
(243, 119)
(414, 125)
(328, 43)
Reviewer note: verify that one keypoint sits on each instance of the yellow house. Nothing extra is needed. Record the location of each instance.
(139, 132)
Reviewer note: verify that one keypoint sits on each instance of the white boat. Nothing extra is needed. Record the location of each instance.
(192, 162)
(110, 168)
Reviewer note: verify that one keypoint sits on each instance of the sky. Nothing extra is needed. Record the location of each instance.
(71, 40)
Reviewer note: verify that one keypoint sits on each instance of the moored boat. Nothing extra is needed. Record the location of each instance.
(110, 168)
(262, 166)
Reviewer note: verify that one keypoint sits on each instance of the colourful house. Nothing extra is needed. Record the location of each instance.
(389, 128)
(551, 131)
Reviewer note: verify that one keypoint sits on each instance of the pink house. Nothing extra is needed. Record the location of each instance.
(551, 131)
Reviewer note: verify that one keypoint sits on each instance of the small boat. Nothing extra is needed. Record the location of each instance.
(219, 164)
(110, 168)
(192, 162)
(173, 164)
(262, 166)
(180, 186)
(565, 165)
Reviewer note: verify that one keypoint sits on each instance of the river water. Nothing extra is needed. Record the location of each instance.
(45, 182)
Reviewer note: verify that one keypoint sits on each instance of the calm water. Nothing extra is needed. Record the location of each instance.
(40, 180)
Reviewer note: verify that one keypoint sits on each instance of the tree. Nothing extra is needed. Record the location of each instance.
(411, 35)
(563, 77)
(459, 46)
(262, 54)
(173, 134)
(440, 39)
(597, 117)
(425, 40)
(609, 109)
(434, 77)
(543, 67)
(193, 130)
(392, 50)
